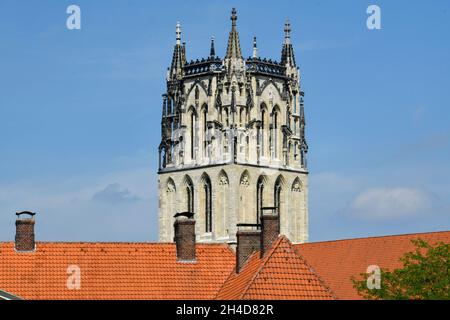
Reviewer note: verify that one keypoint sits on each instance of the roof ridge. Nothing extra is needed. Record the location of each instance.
(373, 237)
(121, 243)
(263, 263)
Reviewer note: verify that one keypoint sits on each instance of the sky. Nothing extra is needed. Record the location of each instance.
(80, 110)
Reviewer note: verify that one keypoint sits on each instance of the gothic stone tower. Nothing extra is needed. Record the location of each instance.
(233, 141)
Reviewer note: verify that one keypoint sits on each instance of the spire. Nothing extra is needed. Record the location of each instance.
(287, 53)
(255, 48)
(212, 52)
(234, 48)
(287, 32)
(183, 52)
(179, 57)
(178, 33)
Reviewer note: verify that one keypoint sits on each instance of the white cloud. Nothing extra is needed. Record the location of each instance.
(114, 193)
(390, 203)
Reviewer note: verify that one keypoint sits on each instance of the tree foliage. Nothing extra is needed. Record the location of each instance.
(425, 275)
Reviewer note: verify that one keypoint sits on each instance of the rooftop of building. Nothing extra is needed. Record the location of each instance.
(123, 271)
(151, 271)
(213, 63)
(340, 260)
(281, 274)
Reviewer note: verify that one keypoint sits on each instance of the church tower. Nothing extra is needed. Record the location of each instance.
(233, 141)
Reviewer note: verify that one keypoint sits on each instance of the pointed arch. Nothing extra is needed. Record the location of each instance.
(206, 201)
(266, 85)
(204, 107)
(276, 108)
(223, 178)
(192, 110)
(204, 129)
(263, 106)
(278, 189)
(169, 207)
(244, 179)
(197, 84)
(296, 185)
(264, 134)
(221, 205)
(280, 180)
(260, 186)
(189, 193)
(275, 142)
(192, 118)
(170, 186)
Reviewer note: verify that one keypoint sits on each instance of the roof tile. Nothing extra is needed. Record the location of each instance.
(281, 275)
(337, 261)
(114, 271)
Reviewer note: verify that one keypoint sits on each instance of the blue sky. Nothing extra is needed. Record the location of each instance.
(80, 110)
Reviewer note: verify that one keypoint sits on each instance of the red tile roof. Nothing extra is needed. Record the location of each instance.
(337, 261)
(281, 275)
(150, 270)
(114, 271)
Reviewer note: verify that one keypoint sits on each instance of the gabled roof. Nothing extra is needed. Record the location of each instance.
(281, 275)
(114, 271)
(337, 261)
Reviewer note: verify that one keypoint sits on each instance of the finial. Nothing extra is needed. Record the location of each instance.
(287, 32)
(178, 32)
(212, 53)
(233, 17)
(255, 48)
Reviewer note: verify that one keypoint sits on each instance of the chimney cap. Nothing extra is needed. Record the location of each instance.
(269, 210)
(186, 214)
(25, 212)
(248, 226)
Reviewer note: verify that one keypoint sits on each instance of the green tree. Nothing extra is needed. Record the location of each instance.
(425, 276)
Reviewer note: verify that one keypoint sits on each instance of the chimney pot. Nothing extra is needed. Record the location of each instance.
(248, 241)
(185, 236)
(25, 232)
(270, 225)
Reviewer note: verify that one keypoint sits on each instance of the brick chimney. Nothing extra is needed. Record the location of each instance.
(270, 228)
(25, 232)
(248, 241)
(185, 236)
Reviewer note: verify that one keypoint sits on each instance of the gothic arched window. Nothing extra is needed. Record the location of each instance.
(193, 133)
(207, 194)
(205, 130)
(259, 198)
(275, 134)
(277, 195)
(189, 194)
(263, 131)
